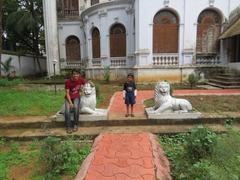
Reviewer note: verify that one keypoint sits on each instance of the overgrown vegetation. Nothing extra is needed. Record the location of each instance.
(201, 154)
(192, 80)
(49, 159)
(10, 155)
(106, 73)
(62, 157)
(9, 83)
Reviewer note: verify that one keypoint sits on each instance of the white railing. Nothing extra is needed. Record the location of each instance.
(166, 59)
(208, 60)
(96, 62)
(118, 61)
(71, 64)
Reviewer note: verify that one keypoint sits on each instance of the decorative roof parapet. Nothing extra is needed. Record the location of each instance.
(235, 14)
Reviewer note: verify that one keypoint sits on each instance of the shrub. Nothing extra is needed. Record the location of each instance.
(106, 73)
(97, 90)
(200, 143)
(219, 155)
(61, 157)
(226, 154)
(6, 67)
(192, 80)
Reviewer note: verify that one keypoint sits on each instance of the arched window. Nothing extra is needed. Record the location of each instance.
(96, 43)
(71, 7)
(165, 32)
(73, 52)
(118, 41)
(208, 30)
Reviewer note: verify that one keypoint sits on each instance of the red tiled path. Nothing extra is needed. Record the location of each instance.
(135, 156)
(117, 107)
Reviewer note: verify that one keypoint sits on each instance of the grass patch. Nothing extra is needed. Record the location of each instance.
(10, 155)
(22, 103)
(201, 154)
(209, 104)
(25, 159)
(105, 92)
(4, 82)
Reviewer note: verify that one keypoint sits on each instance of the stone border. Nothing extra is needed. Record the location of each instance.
(88, 161)
(161, 163)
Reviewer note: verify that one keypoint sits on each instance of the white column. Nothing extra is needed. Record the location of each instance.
(51, 36)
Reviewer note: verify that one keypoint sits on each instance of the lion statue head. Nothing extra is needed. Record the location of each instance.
(162, 93)
(89, 89)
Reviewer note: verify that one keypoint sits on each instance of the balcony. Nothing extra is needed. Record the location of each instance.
(211, 59)
(118, 61)
(66, 64)
(166, 59)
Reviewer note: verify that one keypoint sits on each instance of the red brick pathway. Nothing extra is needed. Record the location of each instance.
(118, 109)
(135, 156)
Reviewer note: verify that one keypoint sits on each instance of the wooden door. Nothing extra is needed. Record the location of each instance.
(165, 32)
(118, 41)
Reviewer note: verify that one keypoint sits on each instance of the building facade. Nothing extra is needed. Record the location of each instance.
(156, 39)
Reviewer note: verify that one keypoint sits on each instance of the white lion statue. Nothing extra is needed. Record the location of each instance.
(165, 103)
(88, 100)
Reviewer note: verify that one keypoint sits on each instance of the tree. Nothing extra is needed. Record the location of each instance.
(1, 32)
(26, 25)
(9, 6)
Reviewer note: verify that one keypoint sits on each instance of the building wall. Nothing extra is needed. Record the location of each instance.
(69, 28)
(102, 17)
(188, 12)
(137, 17)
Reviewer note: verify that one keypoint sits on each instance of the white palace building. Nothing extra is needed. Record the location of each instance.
(154, 39)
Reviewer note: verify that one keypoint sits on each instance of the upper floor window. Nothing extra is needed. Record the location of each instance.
(94, 2)
(71, 7)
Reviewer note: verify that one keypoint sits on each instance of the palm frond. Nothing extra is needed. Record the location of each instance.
(6, 66)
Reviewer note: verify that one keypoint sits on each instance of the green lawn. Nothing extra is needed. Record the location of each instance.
(33, 102)
(17, 102)
(209, 104)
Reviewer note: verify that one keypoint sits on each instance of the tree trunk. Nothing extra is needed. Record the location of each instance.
(1, 26)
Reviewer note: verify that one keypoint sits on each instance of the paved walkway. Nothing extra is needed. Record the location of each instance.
(118, 109)
(133, 156)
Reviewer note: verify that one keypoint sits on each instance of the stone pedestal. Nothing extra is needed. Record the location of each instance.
(174, 115)
(102, 116)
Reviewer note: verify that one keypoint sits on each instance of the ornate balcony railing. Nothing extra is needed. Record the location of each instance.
(166, 59)
(207, 59)
(118, 61)
(68, 12)
(96, 62)
(66, 64)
